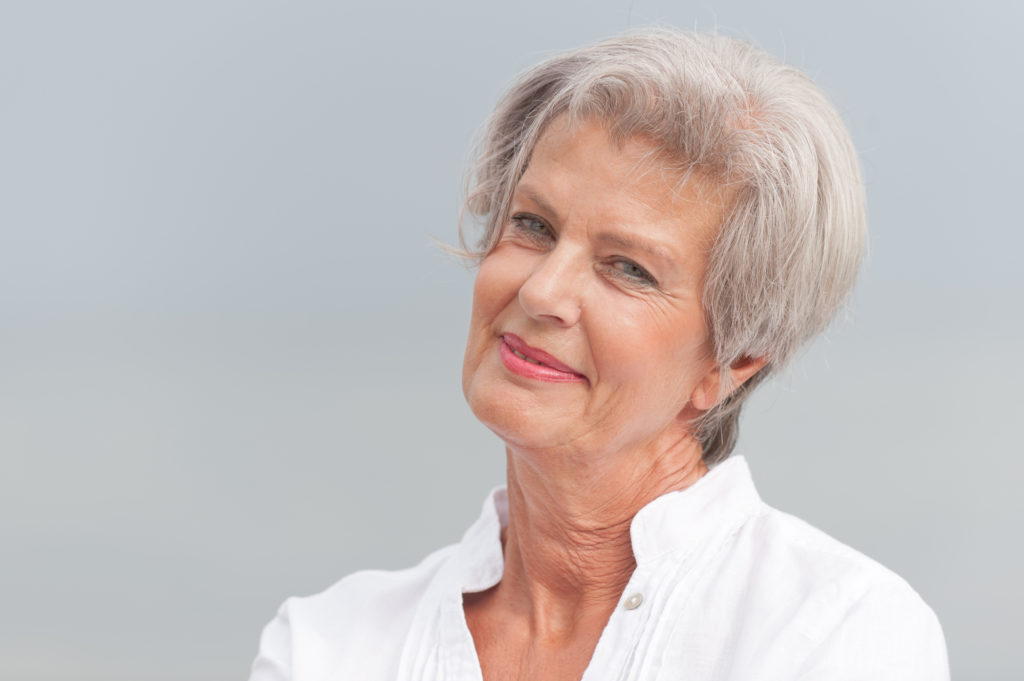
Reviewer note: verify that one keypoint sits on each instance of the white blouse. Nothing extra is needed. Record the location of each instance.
(725, 588)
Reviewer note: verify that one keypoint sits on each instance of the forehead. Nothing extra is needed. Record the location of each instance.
(577, 161)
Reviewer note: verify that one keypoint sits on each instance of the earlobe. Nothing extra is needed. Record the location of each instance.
(706, 394)
(701, 397)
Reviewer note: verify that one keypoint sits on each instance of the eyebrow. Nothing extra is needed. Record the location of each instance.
(539, 200)
(635, 244)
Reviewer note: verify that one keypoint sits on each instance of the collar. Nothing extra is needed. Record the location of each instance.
(679, 523)
(686, 520)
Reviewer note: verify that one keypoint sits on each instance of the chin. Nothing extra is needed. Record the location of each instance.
(496, 408)
(512, 415)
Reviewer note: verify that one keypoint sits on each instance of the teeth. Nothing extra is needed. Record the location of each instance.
(528, 359)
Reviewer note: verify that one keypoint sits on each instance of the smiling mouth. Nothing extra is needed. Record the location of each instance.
(531, 360)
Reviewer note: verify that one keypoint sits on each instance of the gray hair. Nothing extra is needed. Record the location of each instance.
(787, 254)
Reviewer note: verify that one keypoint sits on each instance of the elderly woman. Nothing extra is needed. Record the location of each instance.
(667, 219)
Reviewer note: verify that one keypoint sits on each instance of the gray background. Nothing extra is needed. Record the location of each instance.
(230, 351)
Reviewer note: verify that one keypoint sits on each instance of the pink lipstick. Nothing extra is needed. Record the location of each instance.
(520, 358)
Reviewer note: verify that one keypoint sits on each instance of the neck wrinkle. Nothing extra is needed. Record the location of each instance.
(568, 549)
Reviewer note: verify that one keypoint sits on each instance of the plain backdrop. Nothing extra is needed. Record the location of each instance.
(230, 349)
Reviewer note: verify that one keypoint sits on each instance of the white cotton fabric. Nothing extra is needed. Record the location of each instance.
(730, 590)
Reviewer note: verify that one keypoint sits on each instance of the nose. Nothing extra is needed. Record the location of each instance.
(553, 291)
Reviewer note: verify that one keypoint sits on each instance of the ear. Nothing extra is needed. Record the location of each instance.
(706, 394)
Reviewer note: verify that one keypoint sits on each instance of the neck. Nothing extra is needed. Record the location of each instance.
(568, 552)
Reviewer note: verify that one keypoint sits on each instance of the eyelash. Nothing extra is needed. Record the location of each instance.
(520, 223)
(622, 268)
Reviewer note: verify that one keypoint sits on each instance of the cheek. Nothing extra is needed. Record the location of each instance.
(495, 286)
(483, 288)
(491, 294)
(651, 353)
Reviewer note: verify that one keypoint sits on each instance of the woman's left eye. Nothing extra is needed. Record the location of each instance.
(629, 270)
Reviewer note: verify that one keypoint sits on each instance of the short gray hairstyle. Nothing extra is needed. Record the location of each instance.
(787, 254)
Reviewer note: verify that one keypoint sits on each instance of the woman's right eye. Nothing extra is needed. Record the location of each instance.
(532, 228)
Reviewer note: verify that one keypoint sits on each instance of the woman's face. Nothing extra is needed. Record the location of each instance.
(587, 330)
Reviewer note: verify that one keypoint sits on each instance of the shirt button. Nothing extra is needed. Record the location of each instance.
(634, 601)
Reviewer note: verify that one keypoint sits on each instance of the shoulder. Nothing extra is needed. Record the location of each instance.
(811, 556)
(814, 559)
(313, 637)
(366, 601)
(853, 617)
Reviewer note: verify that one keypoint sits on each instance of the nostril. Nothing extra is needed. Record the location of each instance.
(554, 303)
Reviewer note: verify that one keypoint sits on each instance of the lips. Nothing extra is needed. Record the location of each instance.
(532, 362)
